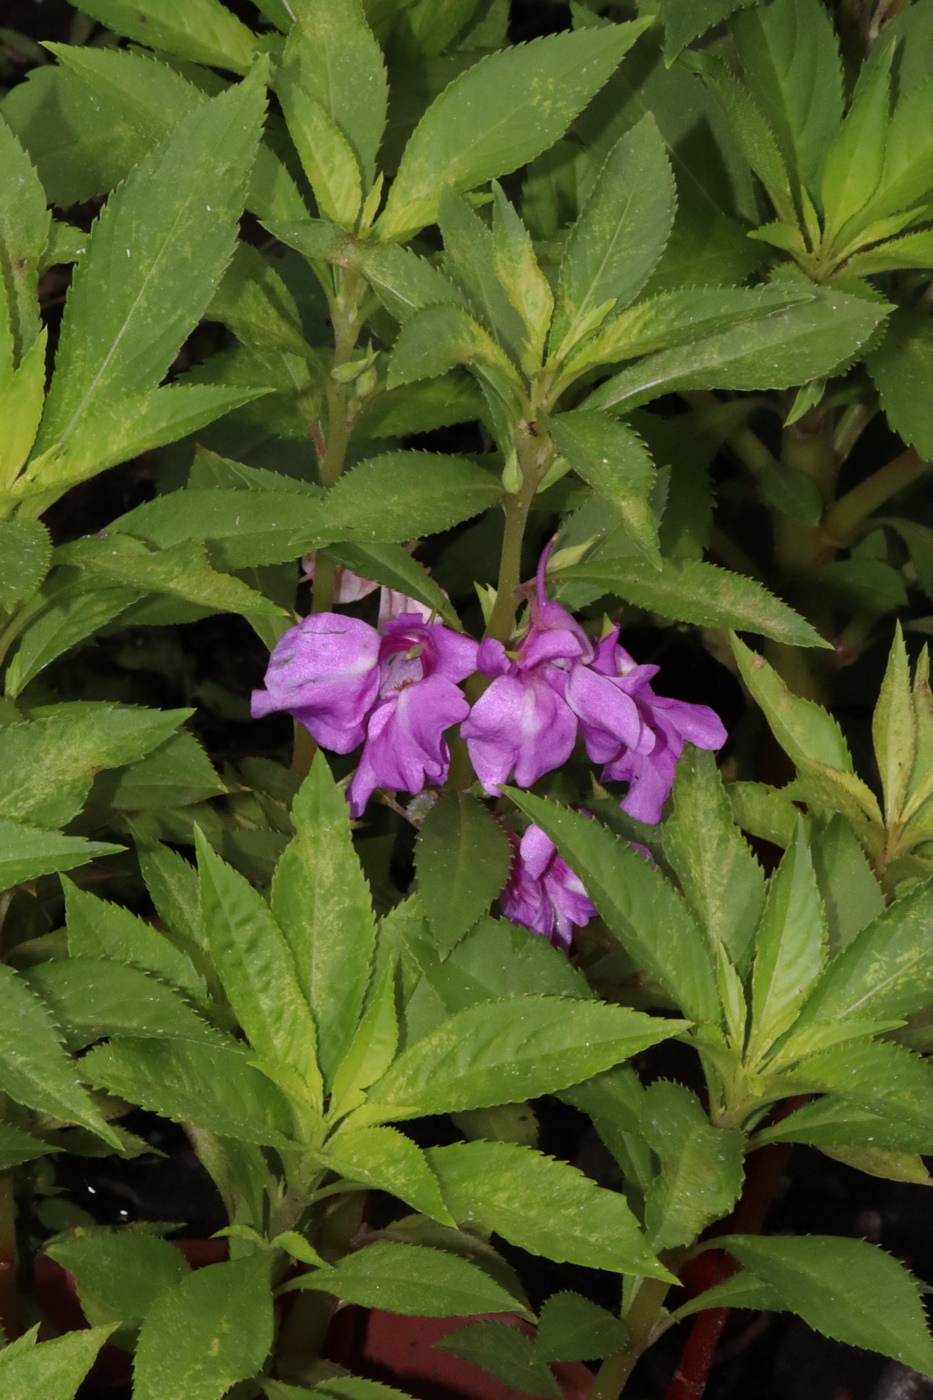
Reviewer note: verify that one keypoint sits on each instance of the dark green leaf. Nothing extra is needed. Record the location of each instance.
(393, 567)
(902, 370)
(572, 1328)
(404, 494)
(614, 1101)
(504, 1353)
(119, 1273)
(438, 339)
(614, 461)
(462, 862)
(877, 1075)
(470, 261)
(496, 958)
(17, 1146)
(202, 30)
(701, 1166)
(850, 893)
(176, 774)
(99, 929)
(24, 228)
(25, 552)
(90, 998)
(29, 852)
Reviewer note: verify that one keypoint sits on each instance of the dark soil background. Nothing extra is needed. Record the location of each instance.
(769, 1357)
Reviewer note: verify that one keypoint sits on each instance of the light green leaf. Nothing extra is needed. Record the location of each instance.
(470, 261)
(893, 731)
(258, 972)
(704, 594)
(437, 339)
(212, 1086)
(17, 1147)
(277, 526)
(572, 1328)
(614, 1101)
(620, 234)
(832, 1120)
(498, 115)
(614, 461)
(29, 852)
(462, 861)
(503, 1353)
(321, 902)
(790, 944)
(384, 1159)
(403, 281)
(907, 170)
(119, 1273)
(372, 1049)
(878, 1075)
(701, 1166)
(776, 351)
(913, 250)
(879, 1161)
(90, 998)
(221, 1324)
(519, 272)
(22, 395)
(902, 370)
(542, 1205)
(99, 929)
(52, 1369)
(640, 906)
(404, 494)
(764, 811)
(25, 552)
(413, 1280)
(850, 893)
(326, 155)
(253, 300)
(854, 161)
(68, 612)
(806, 732)
(172, 883)
(24, 228)
(202, 30)
(34, 1069)
(508, 1050)
(495, 959)
(176, 774)
(846, 1289)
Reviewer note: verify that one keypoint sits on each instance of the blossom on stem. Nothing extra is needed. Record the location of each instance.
(394, 690)
(542, 893)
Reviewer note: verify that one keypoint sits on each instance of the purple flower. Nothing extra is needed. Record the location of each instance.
(542, 892)
(392, 690)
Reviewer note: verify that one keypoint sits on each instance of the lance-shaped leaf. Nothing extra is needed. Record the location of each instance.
(99, 929)
(877, 1075)
(519, 272)
(403, 281)
(572, 1328)
(503, 1353)
(268, 527)
(791, 946)
(806, 732)
(325, 153)
(24, 229)
(846, 1289)
(372, 1049)
(854, 161)
(781, 349)
(612, 459)
(701, 1165)
(463, 859)
(542, 1205)
(67, 613)
(893, 730)
(25, 553)
(404, 494)
(29, 851)
(901, 367)
(500, 113)
(393, 567)
(641, 907)
(416, 1281)
(470, 261)
(850, 892)
(118, 1273)
(258, 971)
(907, 169)
(620, 234)
(153, 260)
(221, 1324)
(437, 339)
(34, 1069)
(52, 1369)
(321, 901)
(17, 1147)
(509, 1050)
(90, 998)
(386, 1160)
(833, 1120)
(202, 30)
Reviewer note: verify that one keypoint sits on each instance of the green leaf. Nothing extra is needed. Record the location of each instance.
(907, 169)
(519, 272)
(878, 1075)
(52, 1369)
(29, 852)
(24, 228)
(439, 338)
(701, 1166)
(119, 1273)
(704, 594)
(386, 1160)
(764, 811)
(620, 235)
(258, 971)
(885, 973)
(417, 1281)
(806, 732)
(721, 880)
(462, 861)
(176, 774)
(253, 300)
(883, 1162)
(25, 551)
(686, 20)
(776, 351)
(372, 1049)
(172, 883)
(498, 115)
(614, 1101)
(400, 495)
(613, 460)
(279, 525)
(834, 1120)
(470, 261)
(69, 614)
(321, 902)
(393, 567)
(99, 929)
(48, 762)
(639, 905)
(790, 56)
(221, 1324)
(403, 281)
(790, 944)
(17, 1147)
(34, 1069)
(854, 161)
(571, 1328)
(504, 1051)
(850, 893)
(202, 30)
(742, 1290)
(212, 1086)
(495, 959)
(147, 277)
(846, 1289)
(90, 998)
(325, 152)
(542, 1205)
(902, 370)
(789, 491)
(893, 731)
(503, 1353)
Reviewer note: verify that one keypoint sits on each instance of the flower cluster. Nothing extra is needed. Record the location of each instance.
(542, 892)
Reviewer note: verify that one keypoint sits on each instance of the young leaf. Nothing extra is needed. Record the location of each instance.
(326, 154)
(907, 170)
(893, 730)
(321, 901)
(701, 1166)
(498, 115)
(416, 1281)
(722, 881)
(504, 1353)
(34, 1069)
(99, 929)
(52, 1369)
(90, 998)
(202, 30)
(384, 1159)
(496, 959)
(790, 944)
(28, 852)
(850, 893)
(805, 731)
(508, 1050)
(613, 460)
(257, 969)
(470, 261)
(372, 1049)
(519, 272)
(640, 906)
(438, 339)
(571, 1328)
(403, 281)
(462, 861)
(542, 1205)
(620, 234)
(67, 613)
(118, 1273)
(846, 1289)
(855, 159)
(704, 594)
(221, 1325)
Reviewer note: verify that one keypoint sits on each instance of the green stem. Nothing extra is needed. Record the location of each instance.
(535, 452)
(853, 509)
(807, 447)
(642, 1319)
